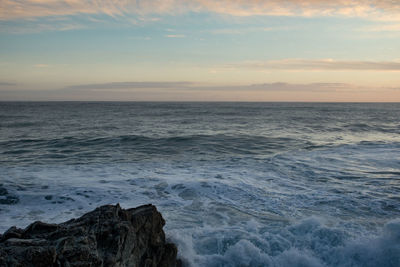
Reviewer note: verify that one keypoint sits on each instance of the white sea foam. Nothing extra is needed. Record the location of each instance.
(327, 207)
(306, 243)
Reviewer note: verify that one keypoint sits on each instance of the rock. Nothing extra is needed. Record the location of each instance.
(107, 236)
(13, 232)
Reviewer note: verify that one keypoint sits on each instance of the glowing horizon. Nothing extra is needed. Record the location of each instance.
(200, 50)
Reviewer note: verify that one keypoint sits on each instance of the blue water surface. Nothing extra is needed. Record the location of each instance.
(239, 184)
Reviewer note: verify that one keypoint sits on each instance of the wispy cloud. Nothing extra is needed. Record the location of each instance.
(238, 31)
(307, 8)
(311, 87)
(130, 85)
(371, 9)
(384, 28)
(192, 86)
(175, 36)
(292, 87)
(35, 26)
(318, 65)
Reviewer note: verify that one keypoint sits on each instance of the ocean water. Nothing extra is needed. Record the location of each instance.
(239, 184)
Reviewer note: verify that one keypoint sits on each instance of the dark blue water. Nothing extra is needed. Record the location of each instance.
(246, 184)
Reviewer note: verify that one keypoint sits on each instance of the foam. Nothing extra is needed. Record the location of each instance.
(325, 207)
(306, 243)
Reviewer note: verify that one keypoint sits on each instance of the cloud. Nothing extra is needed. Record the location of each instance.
(312, 87)
(37, 26)
(175, 36)
(306, 8)
(318, 65)
(7, 84)
(384, 28)
(186, 91)
(191, 86)
(289, 87)
(370, 9)
(238, 31)
(14, 9)
(130, 85)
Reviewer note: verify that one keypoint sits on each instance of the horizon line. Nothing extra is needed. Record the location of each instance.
(196, 101)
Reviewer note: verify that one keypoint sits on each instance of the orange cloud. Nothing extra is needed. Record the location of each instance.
(371, 9)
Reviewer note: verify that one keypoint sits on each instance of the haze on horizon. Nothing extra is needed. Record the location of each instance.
(200, 50)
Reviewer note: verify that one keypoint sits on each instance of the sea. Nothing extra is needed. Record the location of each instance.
(239, 184)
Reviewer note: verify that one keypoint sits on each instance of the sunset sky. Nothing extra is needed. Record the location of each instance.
(200, 50)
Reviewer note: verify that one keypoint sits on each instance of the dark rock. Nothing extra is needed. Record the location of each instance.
(107, 236)
(13, 232)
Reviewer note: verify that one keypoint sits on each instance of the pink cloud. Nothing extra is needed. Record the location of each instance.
(371, 9)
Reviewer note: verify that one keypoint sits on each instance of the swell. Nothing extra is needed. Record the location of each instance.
(139, 147)
(270, 142)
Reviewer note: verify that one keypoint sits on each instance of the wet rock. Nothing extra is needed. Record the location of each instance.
(107, 236)
(13, 232)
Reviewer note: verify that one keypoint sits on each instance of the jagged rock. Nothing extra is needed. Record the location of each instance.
(107, 236)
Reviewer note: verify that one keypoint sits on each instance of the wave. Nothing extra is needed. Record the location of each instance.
(142, 146)
(238, 184)
(306, 243)
(247, 213)
(196, 147)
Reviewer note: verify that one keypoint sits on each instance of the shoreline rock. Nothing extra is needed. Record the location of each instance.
(107, 236)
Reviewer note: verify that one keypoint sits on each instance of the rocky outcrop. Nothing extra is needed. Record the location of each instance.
(107, 236)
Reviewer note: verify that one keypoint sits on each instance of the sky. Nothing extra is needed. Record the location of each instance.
(200, 50)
